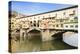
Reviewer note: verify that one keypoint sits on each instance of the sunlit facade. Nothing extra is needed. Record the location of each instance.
(66, 18)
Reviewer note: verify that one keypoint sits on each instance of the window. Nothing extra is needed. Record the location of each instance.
(57, 25)
(12, 23)
(34, 24)
(75, 17)
(71, 26)
(34, 21)
(66, 26)
(76, 26)
(44, 30)
(30, 21)
(50, 18)
(38, 24)
(73, 11)
(53, 25)
(61, 25)
(61, 20)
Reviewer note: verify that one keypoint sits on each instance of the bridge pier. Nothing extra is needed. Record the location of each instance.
(46, 35)
(22, 34)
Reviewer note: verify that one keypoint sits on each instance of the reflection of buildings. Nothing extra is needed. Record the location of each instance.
(66, 19)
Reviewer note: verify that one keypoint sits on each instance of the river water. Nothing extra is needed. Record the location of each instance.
(35, 44)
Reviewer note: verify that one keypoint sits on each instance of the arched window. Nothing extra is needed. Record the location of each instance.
(71, 26)
(34, 23)
(76, 26)
(66, 26)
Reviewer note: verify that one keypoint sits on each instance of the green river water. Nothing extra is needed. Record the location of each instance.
(35, 44)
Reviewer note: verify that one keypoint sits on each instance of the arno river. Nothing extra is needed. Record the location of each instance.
(35, 44)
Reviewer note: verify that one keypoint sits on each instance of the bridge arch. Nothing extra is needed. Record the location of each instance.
(33, 28)
(34, 33)
(58, 35)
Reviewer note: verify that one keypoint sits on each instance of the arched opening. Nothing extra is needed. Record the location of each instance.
(34, 23)
(58, 35)
(35, 35)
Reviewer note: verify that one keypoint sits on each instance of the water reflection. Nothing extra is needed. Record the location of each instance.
(34, 43)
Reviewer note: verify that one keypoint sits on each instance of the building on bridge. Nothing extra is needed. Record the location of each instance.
(66, 18)
(62, 19)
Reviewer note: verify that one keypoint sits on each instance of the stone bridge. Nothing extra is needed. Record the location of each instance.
(46, 34)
